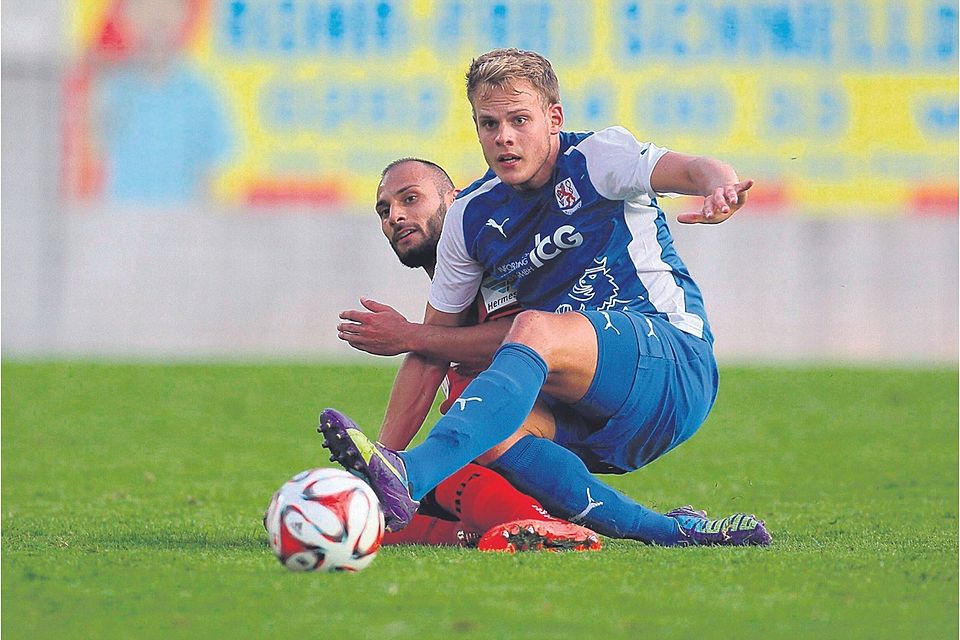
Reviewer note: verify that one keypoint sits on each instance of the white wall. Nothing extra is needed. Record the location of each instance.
(860, 289)
(196, 285)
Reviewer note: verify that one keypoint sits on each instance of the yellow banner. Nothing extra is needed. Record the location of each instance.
(831, 107)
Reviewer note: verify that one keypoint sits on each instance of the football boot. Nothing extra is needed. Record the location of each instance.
(740, 529)
(382, 468)
(539, 535)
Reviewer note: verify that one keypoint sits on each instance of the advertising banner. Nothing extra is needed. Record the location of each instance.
(835, 108)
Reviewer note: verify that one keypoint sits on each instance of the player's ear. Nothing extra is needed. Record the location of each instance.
(555, 116)
(450, 196)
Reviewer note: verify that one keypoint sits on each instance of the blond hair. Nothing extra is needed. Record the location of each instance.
(501, 68)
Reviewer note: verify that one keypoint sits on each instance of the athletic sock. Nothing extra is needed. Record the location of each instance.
(482, 499)
(434, 531)
(561, 481)
(489, 410)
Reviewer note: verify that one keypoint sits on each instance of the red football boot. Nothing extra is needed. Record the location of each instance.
(539, 535)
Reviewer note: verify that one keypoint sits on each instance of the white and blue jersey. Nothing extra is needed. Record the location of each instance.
(594, 241)
(591, 239)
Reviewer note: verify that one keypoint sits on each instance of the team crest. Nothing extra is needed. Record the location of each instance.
(567, 196)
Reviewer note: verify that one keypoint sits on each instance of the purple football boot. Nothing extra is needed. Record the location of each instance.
(379, 466)
(737, 530)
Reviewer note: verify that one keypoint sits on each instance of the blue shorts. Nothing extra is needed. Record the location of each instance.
(654, 387)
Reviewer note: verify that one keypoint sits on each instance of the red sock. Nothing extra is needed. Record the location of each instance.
(482, 499)
(426, 530)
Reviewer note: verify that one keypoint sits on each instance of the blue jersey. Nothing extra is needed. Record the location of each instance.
(591, 239)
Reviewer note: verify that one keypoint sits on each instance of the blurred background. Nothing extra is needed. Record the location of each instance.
(194, 179)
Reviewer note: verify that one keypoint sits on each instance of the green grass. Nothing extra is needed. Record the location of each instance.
(132, 497)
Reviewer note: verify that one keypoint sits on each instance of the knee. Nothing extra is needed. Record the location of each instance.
(532, 328)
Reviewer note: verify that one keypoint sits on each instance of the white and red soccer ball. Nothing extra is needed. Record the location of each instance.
(324, 520)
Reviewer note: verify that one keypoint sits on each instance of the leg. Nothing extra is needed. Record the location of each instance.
(489, 411)
(540, 347)
(501, 398)
(672, 386)
(569, 490)
(508, 519)
(568, 345)
(482, 498)
(539, 423)
(572, 492)
(435, 532)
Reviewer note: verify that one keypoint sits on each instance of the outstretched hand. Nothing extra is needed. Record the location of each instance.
(381, 330)
(720, 205)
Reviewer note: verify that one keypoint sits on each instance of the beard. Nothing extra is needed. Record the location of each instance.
(425, 253)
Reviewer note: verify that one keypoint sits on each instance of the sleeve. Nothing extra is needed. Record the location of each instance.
(619, 165)
(457, 276)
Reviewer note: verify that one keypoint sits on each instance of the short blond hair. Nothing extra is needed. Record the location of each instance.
(500, 68)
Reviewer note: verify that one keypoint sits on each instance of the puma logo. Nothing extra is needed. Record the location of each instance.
(463, 402)
(651, 334)
(497, 225)
(591, 505)
(609, 324)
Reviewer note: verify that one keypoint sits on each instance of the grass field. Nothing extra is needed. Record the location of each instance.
(132, 496)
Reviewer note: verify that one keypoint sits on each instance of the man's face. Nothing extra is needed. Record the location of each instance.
(518, 135)
(411, 211)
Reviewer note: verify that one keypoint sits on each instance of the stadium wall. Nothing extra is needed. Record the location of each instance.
(188, 285)
(211, 280)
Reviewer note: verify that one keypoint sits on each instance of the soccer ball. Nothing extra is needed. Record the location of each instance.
(324, 520)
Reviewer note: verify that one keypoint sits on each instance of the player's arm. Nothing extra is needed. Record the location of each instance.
(415, 387)
(722, 190)
(383, 331)
(453, 289)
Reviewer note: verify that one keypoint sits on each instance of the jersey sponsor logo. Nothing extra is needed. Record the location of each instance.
(497, 225)
(548, 248)
(497, 294)
(545, 248)
(568, 198)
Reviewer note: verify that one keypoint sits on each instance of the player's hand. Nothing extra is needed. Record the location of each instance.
(720, 205)
(381, 330)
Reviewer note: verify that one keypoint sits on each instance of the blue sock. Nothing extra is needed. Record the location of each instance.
(561, 482)
(489, 410)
